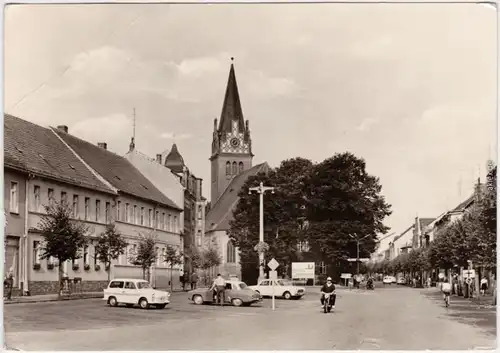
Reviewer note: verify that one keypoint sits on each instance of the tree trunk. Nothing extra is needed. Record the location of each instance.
(108, 266)
(60, 270)
(171, 280)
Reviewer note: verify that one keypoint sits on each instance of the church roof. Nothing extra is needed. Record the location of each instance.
(231, 108)
(221, 213)
(174, 160)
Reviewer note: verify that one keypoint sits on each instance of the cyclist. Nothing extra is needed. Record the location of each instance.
(328, 287)
(446, 289)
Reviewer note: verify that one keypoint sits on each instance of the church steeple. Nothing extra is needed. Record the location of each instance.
(231, 144)
(231, 108)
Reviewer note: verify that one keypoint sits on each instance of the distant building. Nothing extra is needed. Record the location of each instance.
(231, 166)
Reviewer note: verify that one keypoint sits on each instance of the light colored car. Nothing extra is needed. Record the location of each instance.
(237, 293)
(389, 280)
(282, 288)
(135, 291)
(401, 280)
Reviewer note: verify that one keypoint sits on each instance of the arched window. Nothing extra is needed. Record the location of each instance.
(231, 252)
(235, 168)
(240, 167)
(228, 168)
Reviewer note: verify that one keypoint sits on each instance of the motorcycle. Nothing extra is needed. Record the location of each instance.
(327, 304)
(369, 285)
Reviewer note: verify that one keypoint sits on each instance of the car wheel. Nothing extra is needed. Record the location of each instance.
(143, 303)
(198, 299)
(287, 295)
(237, 302)
(112, 301)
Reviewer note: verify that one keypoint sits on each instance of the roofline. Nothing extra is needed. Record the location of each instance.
(151, 201)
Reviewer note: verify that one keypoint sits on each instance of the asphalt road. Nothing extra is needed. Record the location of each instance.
(387, 318)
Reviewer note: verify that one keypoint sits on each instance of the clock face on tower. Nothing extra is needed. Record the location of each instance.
(235, 142)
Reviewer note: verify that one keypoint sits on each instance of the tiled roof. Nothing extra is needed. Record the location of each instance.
(35, 149)
(231, 108)
(117, 170)
(403, 233)
(462, 206)
(221, 213)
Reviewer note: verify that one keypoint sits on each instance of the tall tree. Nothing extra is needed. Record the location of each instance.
(173, 257)
(210, 258)
(110, 245)
(145, 255)
(64, 238)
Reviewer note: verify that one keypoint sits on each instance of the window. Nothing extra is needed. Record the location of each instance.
(37, 198)
(130, 285)
(118, 211)
(200, 212)
(107, 212)
(36, 252)
(75, 206)
(157, 256)
(127, 214)
(231, 252)
(116, 284)
(142, 216)
(163, 220)
(14, 197)
(97, 210)
(150, 218)
(176, 226)
(164, 255)
(228, 168)
(87, 208)
(95, 257)
(228, 286)
(135, 216)
(198, 238)
(264, 283)
(64, 197)
(157, 219)
(234, 168)
(50, 196)
(169, 223)
(86, 255)
(240, 167)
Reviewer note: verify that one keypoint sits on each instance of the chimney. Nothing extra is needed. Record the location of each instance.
(215, 124)
(158, 158)
(103, 145)
(63, 128)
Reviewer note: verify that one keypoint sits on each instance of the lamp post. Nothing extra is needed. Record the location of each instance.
(358, 240)
(261, 189)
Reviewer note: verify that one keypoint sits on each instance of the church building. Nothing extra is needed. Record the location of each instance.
(231, 166)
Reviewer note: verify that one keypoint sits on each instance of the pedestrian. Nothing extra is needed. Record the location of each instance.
(484, 286)
(429, 282)
(194, 280)
(8, 283)
(219, 286)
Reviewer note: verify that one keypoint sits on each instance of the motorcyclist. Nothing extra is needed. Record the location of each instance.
(369, 283)
(329, 288)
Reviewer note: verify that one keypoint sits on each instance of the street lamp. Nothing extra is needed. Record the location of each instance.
(358, 240)
(261, 189)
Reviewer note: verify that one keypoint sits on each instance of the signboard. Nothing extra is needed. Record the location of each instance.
(303, 270)
(346, 275)
(360, 260)
(273, 264)
(273, 274)
(468, 273)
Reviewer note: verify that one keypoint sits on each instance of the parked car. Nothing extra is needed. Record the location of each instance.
(401, 280)
(135, 291)
(389, 280)
(237, 294)
(282, 288)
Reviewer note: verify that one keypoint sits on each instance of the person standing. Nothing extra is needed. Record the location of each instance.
(484, 286)
(8, 284)
(194, 280)
(219, 286)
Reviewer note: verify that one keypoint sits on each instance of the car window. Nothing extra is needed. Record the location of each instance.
(116, 284)
(130, 285)
(142, 285)
(279, 283)
(228, 286)
(264, 283)
(242, 285)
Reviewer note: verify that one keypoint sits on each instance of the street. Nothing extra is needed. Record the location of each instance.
(388, 318)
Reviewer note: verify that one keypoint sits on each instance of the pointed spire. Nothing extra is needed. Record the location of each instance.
(174, 160)
(231, 108)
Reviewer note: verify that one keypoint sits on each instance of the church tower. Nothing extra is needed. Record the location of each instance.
(231, 144)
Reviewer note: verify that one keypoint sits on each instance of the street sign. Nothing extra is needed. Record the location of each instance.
(302, 270)
(468, 273)
(346, 275)
(273, 275)
(365, 259)
(273, 264)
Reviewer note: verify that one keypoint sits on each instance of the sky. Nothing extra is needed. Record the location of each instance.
(409, 88)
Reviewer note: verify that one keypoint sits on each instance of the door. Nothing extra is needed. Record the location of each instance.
(130, 293)
(11, 259)
(265, 288)
(116, 289)
(230, 292)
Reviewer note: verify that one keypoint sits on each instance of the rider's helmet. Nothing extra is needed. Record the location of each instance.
(329, 279)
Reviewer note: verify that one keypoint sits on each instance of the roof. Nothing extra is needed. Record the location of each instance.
(174, 160)
(464, 205)
(221, 213)
(403, 233)
(231, 108)
(424, 222)
(117, 170)
(35, 149)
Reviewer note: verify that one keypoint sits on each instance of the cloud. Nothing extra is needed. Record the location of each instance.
(366, 124)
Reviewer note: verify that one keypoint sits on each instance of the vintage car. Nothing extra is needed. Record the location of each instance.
(135, 291)
(282, 288)
(237, 294)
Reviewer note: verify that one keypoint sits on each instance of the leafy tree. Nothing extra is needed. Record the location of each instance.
(145, 255)
(210, 258)
(173, 257)
(110, 245)
(440, 250)
(195, 257)
(64, 238)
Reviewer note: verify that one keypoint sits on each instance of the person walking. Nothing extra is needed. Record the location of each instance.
(8, 283)
(484, 286)
(194, 280)
(219, 286)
